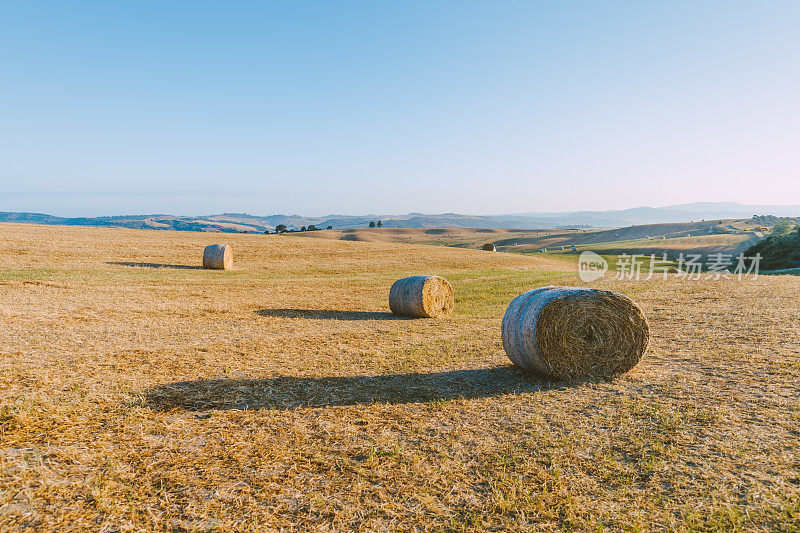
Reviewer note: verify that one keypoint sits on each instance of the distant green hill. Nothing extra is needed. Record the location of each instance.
(781, 249)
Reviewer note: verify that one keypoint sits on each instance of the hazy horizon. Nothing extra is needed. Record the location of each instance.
(395, 108)
(782, 210)
(38, 201)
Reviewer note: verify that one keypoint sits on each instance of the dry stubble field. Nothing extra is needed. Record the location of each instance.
(139, 392)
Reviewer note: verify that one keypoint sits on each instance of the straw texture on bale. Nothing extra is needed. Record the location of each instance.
(422, 296)
(489, 247)
(574, 332)
(218, 257)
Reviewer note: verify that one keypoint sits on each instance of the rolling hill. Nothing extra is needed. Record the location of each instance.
(241, 222)
(703, 238)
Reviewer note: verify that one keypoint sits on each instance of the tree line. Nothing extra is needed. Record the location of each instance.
(282, 228)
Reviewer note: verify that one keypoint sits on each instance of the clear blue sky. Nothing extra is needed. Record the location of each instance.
(390, 107)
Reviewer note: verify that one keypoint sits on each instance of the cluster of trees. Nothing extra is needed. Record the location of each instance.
(781, 249)
(281, 228)
(764, 220)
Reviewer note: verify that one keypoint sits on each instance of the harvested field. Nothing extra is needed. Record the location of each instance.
(456, 237)
(141, 392)
(696, 238)
(702, 245)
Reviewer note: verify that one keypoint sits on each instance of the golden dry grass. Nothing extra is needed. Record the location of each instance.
(628, 240)
(703, 245)
(140, 392)
(462, 237)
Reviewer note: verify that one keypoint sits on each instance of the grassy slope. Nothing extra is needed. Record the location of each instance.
(702, 238)
(282, 394)
(704, 245)
(460, 237)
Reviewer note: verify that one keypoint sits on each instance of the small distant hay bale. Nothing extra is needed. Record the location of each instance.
(489, 247)
(422, 296)
(674, 270)
(218, 257)
(574, 333)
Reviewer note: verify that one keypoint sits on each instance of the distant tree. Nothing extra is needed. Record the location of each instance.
(312, 227)
(329, 227)
(303, 228)
(280, 228)
(371, 223)
(380, 224)
(266, 232)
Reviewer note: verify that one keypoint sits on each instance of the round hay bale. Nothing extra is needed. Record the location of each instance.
(674, 270)
(489, 247)
(573, 332)
(422, 296)
(218, 257)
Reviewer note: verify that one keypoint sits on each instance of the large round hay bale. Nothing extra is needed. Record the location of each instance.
(422, 296)
(574, 332)
(489, 247)
(218, 257)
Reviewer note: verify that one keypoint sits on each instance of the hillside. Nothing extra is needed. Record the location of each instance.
(230, 223)
(239, 222)
(460, 237)
(781, 249)
(703, 238)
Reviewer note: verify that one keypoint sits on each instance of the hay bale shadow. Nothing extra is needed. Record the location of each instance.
(154, 265)
(287, 393)
(330, 314)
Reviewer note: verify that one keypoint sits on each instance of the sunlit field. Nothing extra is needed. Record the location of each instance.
(141, 392)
